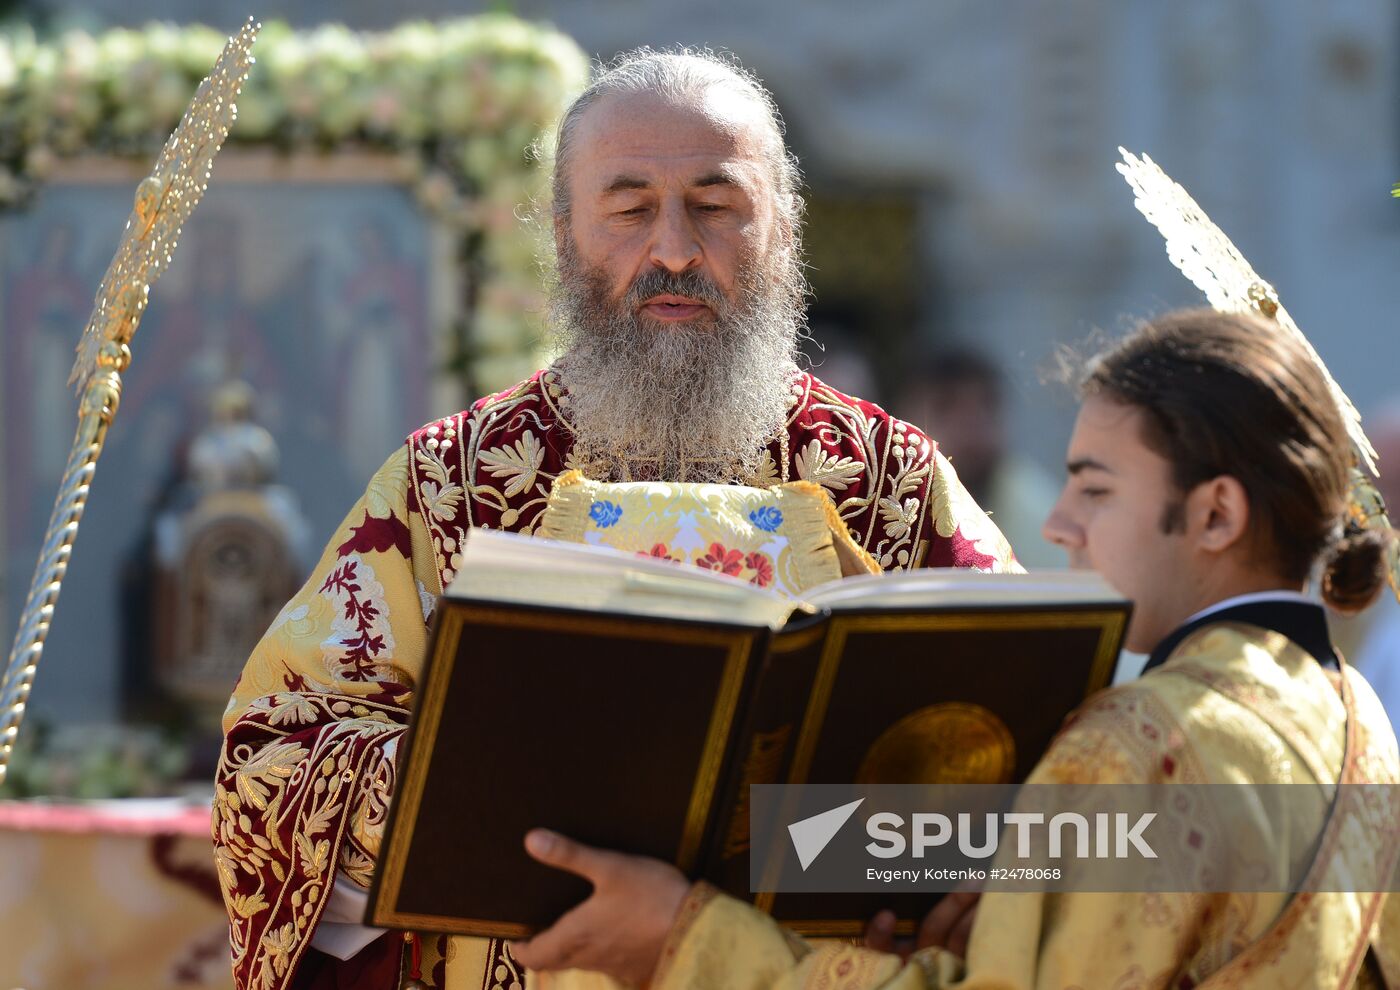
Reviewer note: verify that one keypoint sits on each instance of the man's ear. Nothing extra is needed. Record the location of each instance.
(1218, 513)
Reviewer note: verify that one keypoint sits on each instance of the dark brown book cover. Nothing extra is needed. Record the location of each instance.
(980, 694)
(609, 729)
(767, 743)
(644, 734)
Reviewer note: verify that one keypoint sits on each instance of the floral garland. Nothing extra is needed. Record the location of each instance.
(459, 103)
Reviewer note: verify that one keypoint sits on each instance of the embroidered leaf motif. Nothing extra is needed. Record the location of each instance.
(767, 472)
(227, 866)
(278, 945)
(356, 865)
(247, 905)
(955, 510)
(267, 772)
(911, 479)
(292, 709)
(320, 820)
(442, 502)
(431, 465)
(362, 633)
(827, 470)
(898, 516)
(389, 486)
(314, 855)
(518, 462)
(945, 500)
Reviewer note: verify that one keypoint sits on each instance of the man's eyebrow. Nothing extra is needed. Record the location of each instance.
(1087, 464)
(628, 183)
(625, 182)
(714, 179)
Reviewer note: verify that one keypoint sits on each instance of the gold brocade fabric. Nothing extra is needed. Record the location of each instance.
(784, 538)
(313, 726)
(1234, 704)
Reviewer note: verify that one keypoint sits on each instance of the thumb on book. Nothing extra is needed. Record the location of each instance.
(560, 852)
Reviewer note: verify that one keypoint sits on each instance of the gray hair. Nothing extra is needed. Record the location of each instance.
(680, 74)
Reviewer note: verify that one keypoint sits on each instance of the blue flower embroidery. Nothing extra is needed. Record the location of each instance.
(767, 518)
(605, 514)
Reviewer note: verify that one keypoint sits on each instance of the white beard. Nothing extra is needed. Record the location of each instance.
(692, 402)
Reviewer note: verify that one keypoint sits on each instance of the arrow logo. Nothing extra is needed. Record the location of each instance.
(811, 835)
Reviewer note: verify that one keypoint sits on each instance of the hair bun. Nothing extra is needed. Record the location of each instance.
(1354, 568)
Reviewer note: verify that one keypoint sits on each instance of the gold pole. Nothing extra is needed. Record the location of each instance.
(1202, 252)
(164, 201)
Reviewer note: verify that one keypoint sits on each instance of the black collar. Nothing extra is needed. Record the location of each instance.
(1305, 623)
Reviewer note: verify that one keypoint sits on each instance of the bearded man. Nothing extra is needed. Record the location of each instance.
(678, 306)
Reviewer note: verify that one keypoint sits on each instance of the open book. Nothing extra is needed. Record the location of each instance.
(507, 567)
(631, 703)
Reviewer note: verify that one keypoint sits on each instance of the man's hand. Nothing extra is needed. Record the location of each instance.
(948, 925)
(622, 927)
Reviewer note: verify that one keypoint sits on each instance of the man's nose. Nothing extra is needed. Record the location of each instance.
(675, 247)
(1061, 530)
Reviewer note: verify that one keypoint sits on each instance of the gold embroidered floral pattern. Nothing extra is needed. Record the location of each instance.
(279, 823)
(767, 473)
(388, 486)
(1162, 729)
(518, 461)
(955, 510)
(493, 465)
(307, 768)
(361, 637)
(831, 472)
(439, 498)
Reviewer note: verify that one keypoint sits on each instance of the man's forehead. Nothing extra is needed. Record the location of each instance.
(718, 132)
(1107, 432)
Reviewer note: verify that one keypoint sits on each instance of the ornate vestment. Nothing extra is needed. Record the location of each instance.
(1234, 704)
(313, 727)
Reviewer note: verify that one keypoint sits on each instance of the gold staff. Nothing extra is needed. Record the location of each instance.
(164, 201)
(1202, 252)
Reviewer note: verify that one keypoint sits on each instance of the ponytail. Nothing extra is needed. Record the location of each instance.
(1354, 568)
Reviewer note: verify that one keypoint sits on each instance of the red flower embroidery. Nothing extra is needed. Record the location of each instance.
(660, 551)
(729, 562)
(762, 568)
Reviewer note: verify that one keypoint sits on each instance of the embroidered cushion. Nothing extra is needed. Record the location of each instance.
(787, 538)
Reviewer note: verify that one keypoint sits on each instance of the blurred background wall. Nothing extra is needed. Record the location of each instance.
(960, 158)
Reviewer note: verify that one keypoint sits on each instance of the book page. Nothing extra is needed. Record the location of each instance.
(946, 586)
(499, 566)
